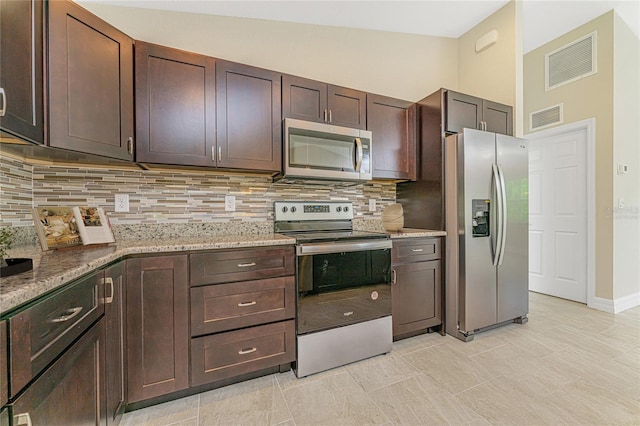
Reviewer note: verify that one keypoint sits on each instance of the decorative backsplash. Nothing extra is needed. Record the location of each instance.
(161, 197)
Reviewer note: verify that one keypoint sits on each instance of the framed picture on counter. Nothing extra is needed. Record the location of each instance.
(61, 227)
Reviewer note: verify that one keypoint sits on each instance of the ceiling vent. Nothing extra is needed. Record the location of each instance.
(545, 117)
(571, 62)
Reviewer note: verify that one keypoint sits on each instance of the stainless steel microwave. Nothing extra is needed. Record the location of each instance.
(323, 151)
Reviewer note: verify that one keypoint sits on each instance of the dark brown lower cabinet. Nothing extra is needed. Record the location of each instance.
(114, 309)
(415, 296)
(69, 391)
(417, 287)
(157, 326)
(225, 355)
(4, 417)
(4, 368)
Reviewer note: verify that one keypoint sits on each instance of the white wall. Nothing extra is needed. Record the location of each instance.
(626, 137)
(404, 66)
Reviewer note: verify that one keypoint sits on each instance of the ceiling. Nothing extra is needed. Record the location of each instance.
(543, 20)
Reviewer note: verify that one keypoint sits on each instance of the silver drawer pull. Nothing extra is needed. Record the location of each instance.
(417, 250)
(69, 313)
(348, 314)
(242, 304)
(108, 282)
(22, 419)
(247, 351)
(246, 265)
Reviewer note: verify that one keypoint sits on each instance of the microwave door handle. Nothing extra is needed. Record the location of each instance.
(359, 154)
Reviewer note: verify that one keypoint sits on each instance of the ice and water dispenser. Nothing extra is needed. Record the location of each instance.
(480, 217)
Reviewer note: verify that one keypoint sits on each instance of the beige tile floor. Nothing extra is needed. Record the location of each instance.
(568, 365)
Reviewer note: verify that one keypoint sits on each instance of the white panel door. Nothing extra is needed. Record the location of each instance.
(558, 215)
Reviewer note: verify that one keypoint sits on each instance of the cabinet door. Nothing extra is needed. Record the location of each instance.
(90, 83)
(249, 134)
(157, 326)
(71, 391)
(4, 370)
(416, 297)
(392, 122)
(498, 117)
(175, 106)
(462, 111)
(347, 107)
(114, 341)
(304, 99)
(21, 69)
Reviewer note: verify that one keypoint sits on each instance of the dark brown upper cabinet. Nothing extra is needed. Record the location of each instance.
(476, 113)
(312, 100)
(90, 83)
(21, 69)
(248, 107)
(175, 106)
(393, 126)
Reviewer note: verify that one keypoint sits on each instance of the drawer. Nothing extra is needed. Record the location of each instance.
(416, 250)
(40, 333)
(241, 265)
(224, 307)
(225, 355)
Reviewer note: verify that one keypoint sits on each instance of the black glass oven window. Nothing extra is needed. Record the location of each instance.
(351, 269)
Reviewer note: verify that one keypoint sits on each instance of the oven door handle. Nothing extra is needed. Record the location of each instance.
(341, 247)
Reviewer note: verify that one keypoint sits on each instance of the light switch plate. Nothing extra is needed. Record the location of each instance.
(229, 203)
(372, 204)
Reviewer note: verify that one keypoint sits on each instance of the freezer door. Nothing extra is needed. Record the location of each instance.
(513, 272)
(477, 275)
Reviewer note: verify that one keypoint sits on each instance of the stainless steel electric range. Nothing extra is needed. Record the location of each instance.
(343, 280)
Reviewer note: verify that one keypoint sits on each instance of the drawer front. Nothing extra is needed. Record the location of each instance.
(40, 333)
(224, 355)
(416, 250)
(224, 307)
(241, 265)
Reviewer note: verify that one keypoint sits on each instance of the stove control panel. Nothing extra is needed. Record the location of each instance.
(313, 210)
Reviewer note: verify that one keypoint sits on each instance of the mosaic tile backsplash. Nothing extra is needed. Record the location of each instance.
(191, 201)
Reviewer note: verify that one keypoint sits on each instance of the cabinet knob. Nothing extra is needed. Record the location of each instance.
(130, 145)
(394, 276)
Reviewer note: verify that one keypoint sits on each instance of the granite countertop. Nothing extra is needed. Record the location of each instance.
(52, 269)
(414, 233)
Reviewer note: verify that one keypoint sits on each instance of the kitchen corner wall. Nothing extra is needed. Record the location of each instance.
(177, 197)
(404, 66)
(496, 72)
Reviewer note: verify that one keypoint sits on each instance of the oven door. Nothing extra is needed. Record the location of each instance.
(342, 283)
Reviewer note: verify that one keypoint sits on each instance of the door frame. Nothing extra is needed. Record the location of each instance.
(588, 125)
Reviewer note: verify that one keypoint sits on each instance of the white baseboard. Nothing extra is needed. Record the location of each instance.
(615, 306)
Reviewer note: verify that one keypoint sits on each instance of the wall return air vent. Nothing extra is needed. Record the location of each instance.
(545, 117)
(571, 62)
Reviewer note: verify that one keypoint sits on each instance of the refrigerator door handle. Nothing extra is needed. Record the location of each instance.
(503, 214)
(496, 182)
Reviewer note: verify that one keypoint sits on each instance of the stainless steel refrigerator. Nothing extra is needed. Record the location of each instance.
(487, 214)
